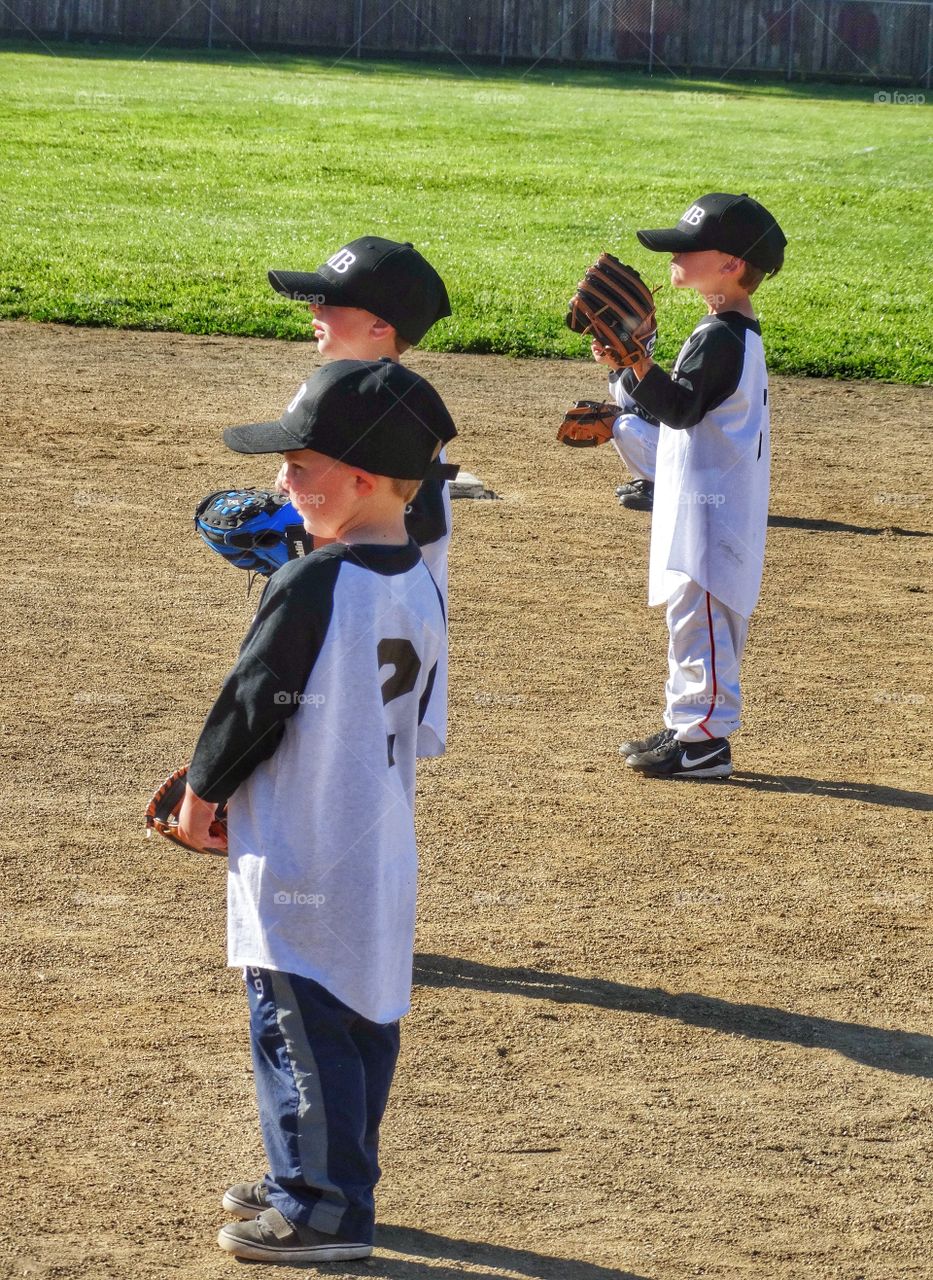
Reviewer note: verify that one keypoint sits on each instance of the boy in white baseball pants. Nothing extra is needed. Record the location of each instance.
(711, 481)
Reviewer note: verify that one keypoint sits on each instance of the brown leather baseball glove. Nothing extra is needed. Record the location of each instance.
(614, 305)
(587, 423)
(162, 813)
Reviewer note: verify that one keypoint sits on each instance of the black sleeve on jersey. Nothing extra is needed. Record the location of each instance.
(425, 517)
(246, 723)
(707, 373)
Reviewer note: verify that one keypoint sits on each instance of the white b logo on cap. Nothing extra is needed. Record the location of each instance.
(299, 394)
(694, 215)
(342, 260)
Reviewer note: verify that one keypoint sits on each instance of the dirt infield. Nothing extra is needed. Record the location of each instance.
(660, 1030)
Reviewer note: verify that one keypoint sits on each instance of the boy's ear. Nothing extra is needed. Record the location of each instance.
(734, 267)
(381, 329)
(364, 483)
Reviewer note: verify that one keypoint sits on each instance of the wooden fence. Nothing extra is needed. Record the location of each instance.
(883, 41)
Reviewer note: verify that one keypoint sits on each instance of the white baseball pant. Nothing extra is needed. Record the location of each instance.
(706, 642)
(636, 443)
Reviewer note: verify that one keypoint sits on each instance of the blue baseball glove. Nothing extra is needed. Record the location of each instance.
(254, 529)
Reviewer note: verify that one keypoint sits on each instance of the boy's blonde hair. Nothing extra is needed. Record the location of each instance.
(752, 277)
(405, 489)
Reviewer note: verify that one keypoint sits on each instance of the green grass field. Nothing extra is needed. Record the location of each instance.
(155, 193)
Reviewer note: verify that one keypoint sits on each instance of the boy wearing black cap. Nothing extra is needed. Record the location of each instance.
(312, 743)
(371, 300)
(711, 481)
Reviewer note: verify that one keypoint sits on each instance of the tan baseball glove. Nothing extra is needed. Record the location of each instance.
(614, 305)
(163, 808)
(587, 423)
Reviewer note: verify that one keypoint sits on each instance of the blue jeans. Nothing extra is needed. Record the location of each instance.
(322, 1077)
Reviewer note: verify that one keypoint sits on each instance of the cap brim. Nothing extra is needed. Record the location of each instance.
(261, 437)
(306, 286)
(667, 240)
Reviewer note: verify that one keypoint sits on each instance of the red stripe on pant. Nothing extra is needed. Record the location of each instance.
(712, 650)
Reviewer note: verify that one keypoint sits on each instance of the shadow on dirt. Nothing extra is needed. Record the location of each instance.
(862, 792)
(903, 1052)
(500, 1259)
(839, 526)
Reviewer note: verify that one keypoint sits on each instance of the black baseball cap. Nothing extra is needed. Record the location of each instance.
(391, 280)
(372, 414)
(732, 224)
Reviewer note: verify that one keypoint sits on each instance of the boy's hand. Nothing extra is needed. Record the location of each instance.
(184, 818)
(198, 827)
(602, 356)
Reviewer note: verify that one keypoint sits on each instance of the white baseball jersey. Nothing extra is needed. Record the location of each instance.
(312, 741)
(429, 521)
(713, 468)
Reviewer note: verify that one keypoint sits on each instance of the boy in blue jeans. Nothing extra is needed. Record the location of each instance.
(312, 743)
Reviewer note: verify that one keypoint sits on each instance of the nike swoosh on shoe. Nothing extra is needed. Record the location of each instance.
(688, 763)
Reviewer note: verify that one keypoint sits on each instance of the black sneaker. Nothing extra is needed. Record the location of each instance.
(673, 759)
(246, 1199)
(637, 495)
(638, 745)
(272, 1238)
